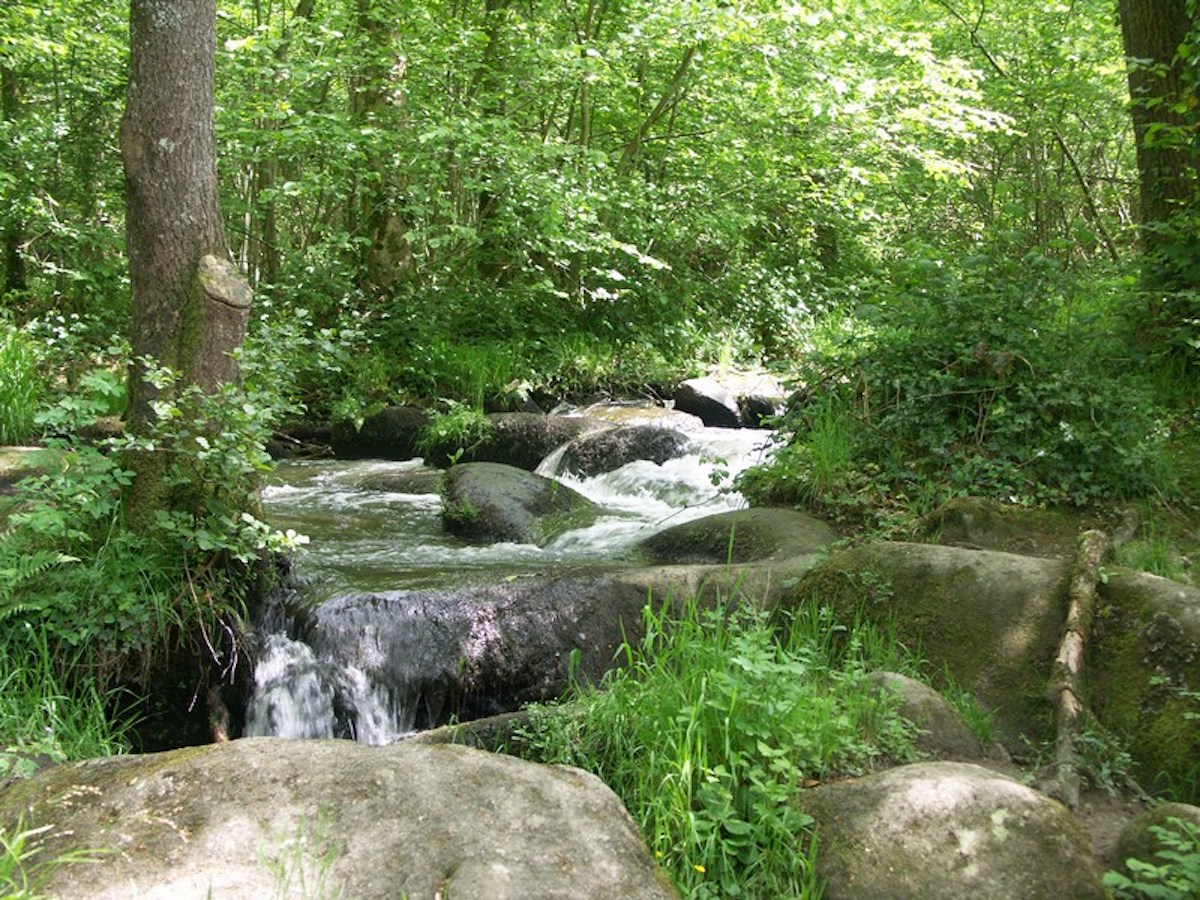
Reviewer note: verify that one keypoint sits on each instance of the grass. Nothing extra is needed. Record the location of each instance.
(23, 868)
(715, 720)
(43, 718)
(20, 387)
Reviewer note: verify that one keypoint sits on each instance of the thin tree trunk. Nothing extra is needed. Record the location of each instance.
(15, 281)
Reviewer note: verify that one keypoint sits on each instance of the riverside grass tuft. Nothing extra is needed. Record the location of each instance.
(712, 725)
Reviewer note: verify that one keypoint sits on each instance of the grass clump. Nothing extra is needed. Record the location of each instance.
(711, 727)
(21, 388)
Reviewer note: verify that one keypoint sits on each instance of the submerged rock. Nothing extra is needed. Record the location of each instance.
(267, 818)
(945, 831)
(495, 502)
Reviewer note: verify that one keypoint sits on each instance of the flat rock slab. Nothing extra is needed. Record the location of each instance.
(945, 831)
(262, 818)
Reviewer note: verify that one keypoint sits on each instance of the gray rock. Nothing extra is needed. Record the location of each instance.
(269, 818)
(740, 536)
(943, 733)
(981, 524)
(945, 831)
(496, 502)
(418, 481)
(522, 440)
(993, 619)
(603, 451)
(731, 401)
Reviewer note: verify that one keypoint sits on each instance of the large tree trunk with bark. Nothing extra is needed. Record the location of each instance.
(190, 306)
(1165, 116)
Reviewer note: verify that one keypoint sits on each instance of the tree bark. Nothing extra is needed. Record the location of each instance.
(1165, 117)
(15, 281)
(190, 305)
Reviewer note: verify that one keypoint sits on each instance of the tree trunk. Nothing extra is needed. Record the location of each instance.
(1165, 117)
(388, 253)
(15, 281)
(190, 306)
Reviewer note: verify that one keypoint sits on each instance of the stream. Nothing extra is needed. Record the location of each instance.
(346, 651)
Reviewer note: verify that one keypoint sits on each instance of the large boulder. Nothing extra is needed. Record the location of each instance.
(494, 502)
(739, 536)
(1144, 670)
(603, 451)
(522, 440)
(994, 620)
(269, 818)
(731, 400)
(466, 651)
(1140, 838)
(944, 831)
(941, 731)
(628, 414)
(391, 433)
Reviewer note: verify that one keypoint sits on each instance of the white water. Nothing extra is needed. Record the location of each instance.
(371, 540)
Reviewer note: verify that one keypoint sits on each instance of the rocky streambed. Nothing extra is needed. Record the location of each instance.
(424, 600)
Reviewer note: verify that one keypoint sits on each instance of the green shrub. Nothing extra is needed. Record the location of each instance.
(981, 381)
(1174, 877)
(711, 726)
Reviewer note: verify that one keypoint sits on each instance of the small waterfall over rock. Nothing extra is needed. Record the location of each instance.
(398, 626)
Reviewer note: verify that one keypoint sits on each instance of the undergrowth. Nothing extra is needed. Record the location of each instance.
(715, 720)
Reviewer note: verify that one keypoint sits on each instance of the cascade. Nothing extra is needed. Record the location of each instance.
(385, 594)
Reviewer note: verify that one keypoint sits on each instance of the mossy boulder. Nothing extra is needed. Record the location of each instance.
(493, 502)
(740, 536)
(271, 818)
(410, 481)
(1144, 671)
(982, 524)
(942, 733)
(948, 830)
(1137, 841)
(521, 440)
(992, 619)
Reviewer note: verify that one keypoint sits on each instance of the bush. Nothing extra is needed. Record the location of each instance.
(1176, 875)
(981, 381)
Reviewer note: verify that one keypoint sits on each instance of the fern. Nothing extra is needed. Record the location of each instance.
(18, 569)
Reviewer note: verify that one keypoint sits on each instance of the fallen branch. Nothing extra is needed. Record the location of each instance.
(1066, 680)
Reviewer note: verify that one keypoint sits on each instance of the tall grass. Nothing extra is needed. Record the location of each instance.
(43, 716)
(711, 727)
(20, 386)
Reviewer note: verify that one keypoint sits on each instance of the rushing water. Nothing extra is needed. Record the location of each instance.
(371, 541)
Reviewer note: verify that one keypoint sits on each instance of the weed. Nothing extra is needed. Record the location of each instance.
(707, 732)
(21, 387)
(23, 869)
(301, 862)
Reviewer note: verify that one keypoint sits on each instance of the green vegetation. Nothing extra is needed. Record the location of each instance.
(716, 719)
(23, 869)
(1175, 875)
(931, 220)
